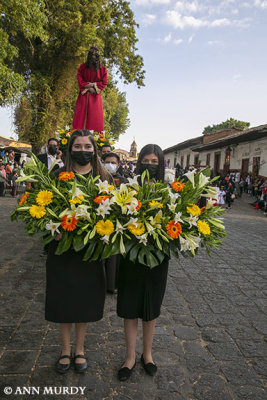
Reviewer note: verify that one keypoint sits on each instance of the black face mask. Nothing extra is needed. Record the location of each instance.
(152, 169)
(52, 149)
(82, 157)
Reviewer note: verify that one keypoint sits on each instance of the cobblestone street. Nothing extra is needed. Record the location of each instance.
(210, 340)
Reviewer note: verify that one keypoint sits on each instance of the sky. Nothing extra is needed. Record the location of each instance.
(205, 62)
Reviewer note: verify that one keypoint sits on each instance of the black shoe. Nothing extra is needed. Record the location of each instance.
(125, 373)
(80, 367)
(63, 368)
(150, 368)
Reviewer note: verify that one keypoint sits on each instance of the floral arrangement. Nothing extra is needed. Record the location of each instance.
(101, 140)
(63, 136)
(146, 222)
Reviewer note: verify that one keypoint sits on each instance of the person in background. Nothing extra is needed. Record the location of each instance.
(2, 178)
(221, 194)
(52, 155)
(112, 164)
(104, 150)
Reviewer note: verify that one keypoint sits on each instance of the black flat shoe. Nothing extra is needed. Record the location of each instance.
(125, 373)
(80, 367)
(63, 368)
(150, 368)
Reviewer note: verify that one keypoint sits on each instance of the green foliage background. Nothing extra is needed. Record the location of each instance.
(42, 45)
(228, 124)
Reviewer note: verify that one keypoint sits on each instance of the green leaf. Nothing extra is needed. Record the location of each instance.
(64, 244)
(89, 251)
(78, 243)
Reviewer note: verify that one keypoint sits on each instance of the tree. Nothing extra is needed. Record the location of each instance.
(48, 63)
(26, 17)
(228, 124)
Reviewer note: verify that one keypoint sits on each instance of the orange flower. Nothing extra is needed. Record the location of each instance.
(66, 176)
(102, 139)
(69, 223)
(174, 229)
(139, 205)
(203, 208)
(177, 186)
(23, 198)
(100, 199)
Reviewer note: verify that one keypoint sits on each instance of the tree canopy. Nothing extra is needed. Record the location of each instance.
(46, 41)
(228, 124)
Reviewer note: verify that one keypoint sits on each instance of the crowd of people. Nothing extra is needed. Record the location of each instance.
(9, 172)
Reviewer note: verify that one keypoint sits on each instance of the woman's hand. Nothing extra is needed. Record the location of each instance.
(58, 237)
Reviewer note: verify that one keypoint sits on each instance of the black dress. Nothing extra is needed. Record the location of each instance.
(75, 289)
(141, 289)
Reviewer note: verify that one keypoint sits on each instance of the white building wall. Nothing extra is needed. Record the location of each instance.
(257, 148)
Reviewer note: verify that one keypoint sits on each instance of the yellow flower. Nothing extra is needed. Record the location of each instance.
(101, 144)
(155, 203)
(203, 227)
(37, 211)
(111, 142)
(111, 187)
(122, 197)
(137, 230)
(64, 141)
(77, 199)
(105, 228)
(62, 131)
(194, 210)
(44, 197)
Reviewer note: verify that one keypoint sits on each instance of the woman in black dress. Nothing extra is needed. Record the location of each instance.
(141, 289)
(75, 289)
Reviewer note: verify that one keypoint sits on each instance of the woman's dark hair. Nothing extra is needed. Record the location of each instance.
(98, 169)
(152, 149)
(89, 63)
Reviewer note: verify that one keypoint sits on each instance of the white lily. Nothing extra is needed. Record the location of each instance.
(203, 180)
(192, 220)
(81, 212)
(191, 176)
(142, 238)
(103, 208)
(183, 243)
(177, 217)
(119, 227)
(193, 241)
(105, 239)
(103, 186)
(132, 207)
(173, 196)
(67, 128)
(210, 203)
(76, 192)
(172, 207)
(72, 211)
(133, 182)
(53, 227)
(133, 221)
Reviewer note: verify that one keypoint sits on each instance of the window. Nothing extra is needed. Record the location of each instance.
(208, 159)
(182, 161)
(196, 160)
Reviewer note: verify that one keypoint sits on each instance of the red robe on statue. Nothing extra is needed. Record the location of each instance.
(88, 113)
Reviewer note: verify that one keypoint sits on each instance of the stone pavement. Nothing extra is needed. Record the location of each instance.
(210, 340)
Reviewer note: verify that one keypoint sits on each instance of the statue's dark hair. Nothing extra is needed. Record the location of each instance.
(152, 149)
(89, 63)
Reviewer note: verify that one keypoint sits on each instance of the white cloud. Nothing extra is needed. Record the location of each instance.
(188, 6)
(215, 43)
(261, 3)
(148, 19)
(237, 77)
(168, 38)
(190, 39)
(145, 3)
(178, 41)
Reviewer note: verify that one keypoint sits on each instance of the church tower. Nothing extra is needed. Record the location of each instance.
(133, 150)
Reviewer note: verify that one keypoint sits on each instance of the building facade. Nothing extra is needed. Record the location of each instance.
(224, 151)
